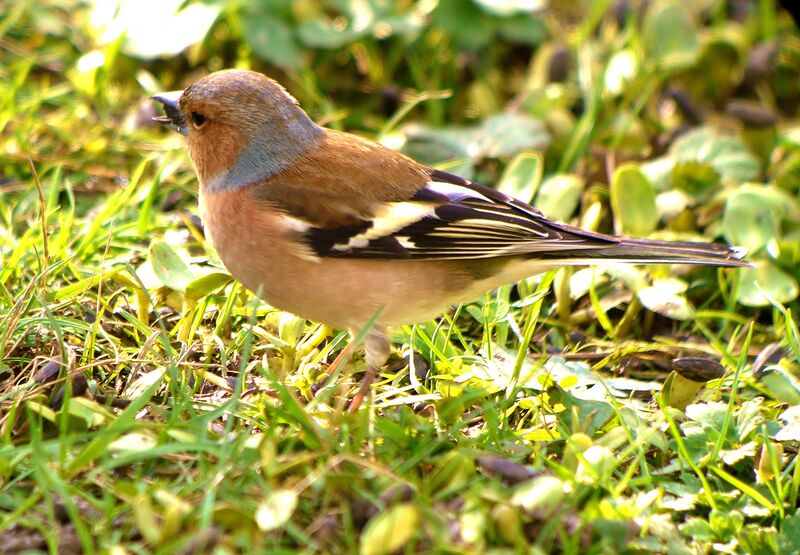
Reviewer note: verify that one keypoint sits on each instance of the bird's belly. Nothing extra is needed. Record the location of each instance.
(343, 293)
(347, 295)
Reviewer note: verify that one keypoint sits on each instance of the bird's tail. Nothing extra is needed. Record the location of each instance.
(647, 251)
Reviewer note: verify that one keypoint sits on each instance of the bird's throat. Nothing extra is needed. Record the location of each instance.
(268, 152)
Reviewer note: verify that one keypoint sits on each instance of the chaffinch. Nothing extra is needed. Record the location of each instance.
(334, 228)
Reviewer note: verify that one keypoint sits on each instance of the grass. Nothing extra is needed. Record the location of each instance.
(150, 404)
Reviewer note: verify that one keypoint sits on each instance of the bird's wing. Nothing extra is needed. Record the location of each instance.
(448, 218)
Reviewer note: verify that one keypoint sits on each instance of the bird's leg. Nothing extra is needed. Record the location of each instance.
(342, 357)
(376, 350)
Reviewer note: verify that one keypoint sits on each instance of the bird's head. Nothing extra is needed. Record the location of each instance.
(242, 127)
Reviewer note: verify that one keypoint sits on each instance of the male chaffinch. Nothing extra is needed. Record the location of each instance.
(334, 228)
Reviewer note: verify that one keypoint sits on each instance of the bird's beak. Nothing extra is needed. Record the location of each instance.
(173, 117)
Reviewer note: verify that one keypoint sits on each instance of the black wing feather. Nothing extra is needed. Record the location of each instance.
(467, 221)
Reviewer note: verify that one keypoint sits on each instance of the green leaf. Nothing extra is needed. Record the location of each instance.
(390, 530)
(469, 26)
(327, 33)
(506, 134)
(42, 410)
(760, 540)
(133, 442)
(694, 178)
(559, 195)
(592, 415)
(523, 28)
(522, 176)
(169, 267)
(633, 199)
(499, 136)
(784, 387)
(542, 495)
(207, 284)
(596, 465)
(488, 313)
(290, 327)
(766, 282)
(749, 220)
(276, 509)
(698, 529)
(678, 392)
(665, 296)
(789, 536)
(271, 39)
(670, 35)
(788, 248)
(728, 156)
(89, 411)
(144, 515)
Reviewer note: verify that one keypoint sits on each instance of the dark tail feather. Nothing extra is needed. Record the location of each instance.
(646, 251)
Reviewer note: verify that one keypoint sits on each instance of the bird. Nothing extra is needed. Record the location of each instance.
(341, 230)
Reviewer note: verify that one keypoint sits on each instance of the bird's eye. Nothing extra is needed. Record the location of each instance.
(198, 119)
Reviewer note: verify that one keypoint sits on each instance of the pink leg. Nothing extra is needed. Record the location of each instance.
(377, 349)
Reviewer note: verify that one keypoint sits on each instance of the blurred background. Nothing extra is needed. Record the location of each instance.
(701, 96)
(149, 404)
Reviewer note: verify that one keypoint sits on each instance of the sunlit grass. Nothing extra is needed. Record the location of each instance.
(150, 404)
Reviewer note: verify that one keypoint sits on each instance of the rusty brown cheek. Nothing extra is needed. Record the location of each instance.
(213, 149)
